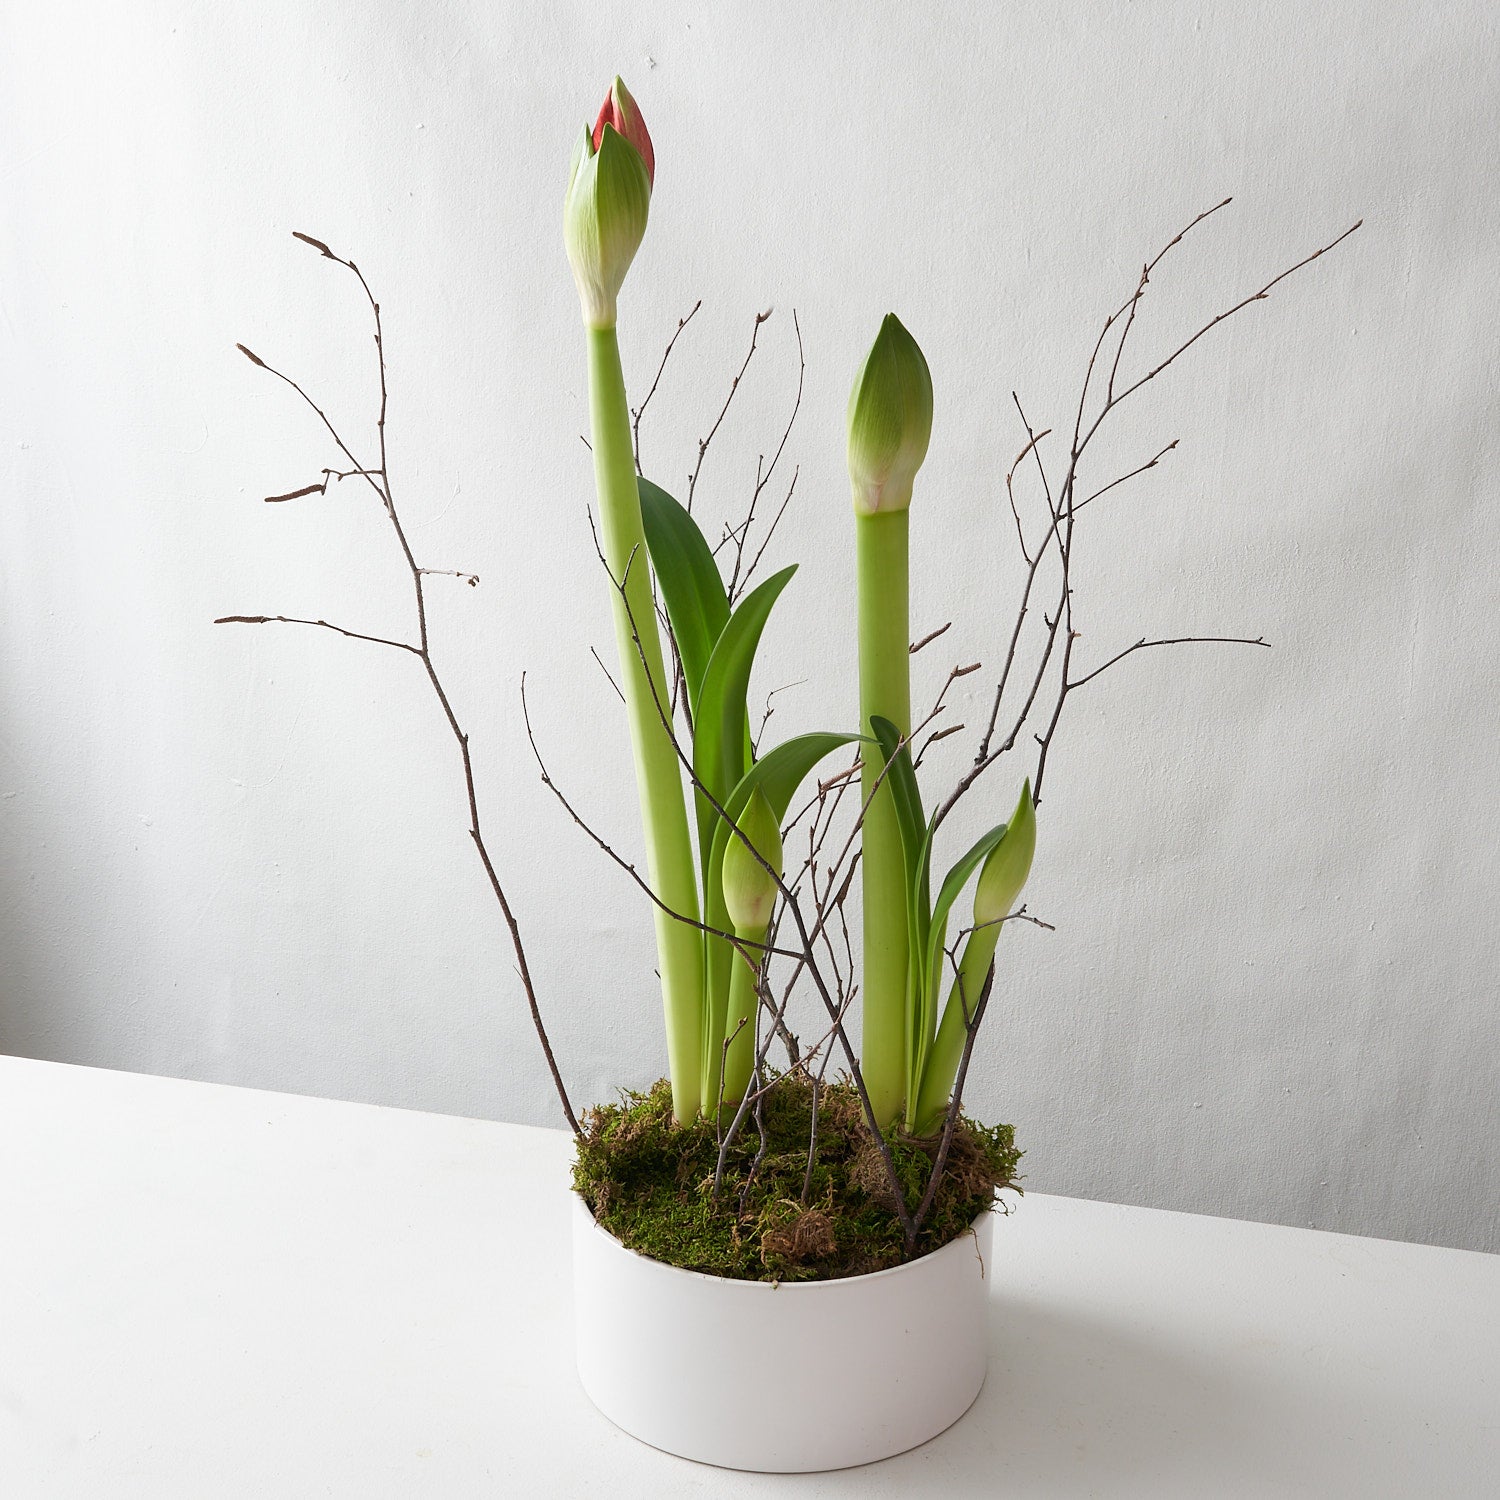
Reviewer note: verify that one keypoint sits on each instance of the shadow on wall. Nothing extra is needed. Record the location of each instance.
(62, 902)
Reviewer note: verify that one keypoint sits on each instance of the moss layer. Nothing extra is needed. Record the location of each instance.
(650, 1184)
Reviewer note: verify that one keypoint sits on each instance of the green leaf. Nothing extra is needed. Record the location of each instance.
(921, 1019)
(778, 774)
(948, 893)
(688, 577)
(906, 794)
(721, 753)
(902, 781)
(780, 771)
(916, 846)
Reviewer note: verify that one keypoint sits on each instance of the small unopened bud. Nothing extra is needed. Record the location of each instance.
(749, 889)
(605, 212)
(890, 421)
(1009, 863)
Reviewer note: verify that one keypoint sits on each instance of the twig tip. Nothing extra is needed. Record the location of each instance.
(307, 239)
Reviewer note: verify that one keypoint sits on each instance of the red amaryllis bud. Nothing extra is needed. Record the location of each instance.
(620, 110)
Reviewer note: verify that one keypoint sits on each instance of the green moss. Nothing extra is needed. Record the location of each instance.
(650, 1184)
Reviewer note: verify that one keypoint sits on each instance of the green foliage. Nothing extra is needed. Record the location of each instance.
(650, 1184)
(688, 577)
(936, 935)
(717, 648)
(749, 887)
(721, 743)
(901, 777)
(927, 922)
(777, 774)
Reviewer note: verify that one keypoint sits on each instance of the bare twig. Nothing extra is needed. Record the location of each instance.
(1104, 489)
(1260, 296)
(1062, 510)
(740, 581)
(310, 489)
(734, 385)
(741, 944)
(635, 416)
(378, 477)
(765, 717)
(354, 635)
(955, 1103)
(765, 541)
(929, 638)
(472, 579)
(608, 676)
(1182, 640)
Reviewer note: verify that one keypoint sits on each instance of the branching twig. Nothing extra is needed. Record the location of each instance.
(353, 635)
(738, 583)
(734, 385)
(1063, 506)
(929, 638)
(378, 477)
(1182, 640)
(635, 416)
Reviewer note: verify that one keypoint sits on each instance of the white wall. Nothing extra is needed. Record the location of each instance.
(239, 854)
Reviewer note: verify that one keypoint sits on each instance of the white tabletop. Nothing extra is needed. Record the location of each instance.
(218, 1293)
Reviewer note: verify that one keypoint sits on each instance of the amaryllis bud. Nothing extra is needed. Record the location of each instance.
(890, 421)
(1009, 864)
(620, 110)
(749, 891)
(604, 219)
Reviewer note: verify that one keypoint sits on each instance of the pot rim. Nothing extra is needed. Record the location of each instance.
(863, 1279)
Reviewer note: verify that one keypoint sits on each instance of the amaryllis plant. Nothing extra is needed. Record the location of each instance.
(752, 851)
(711, 968)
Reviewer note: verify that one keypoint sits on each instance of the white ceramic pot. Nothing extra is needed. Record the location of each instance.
(781, 1378)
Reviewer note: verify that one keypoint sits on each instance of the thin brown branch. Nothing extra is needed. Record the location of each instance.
(1065, 506)
(1106, 488)
(472, 579)
(738, 583)
(354, 635)
(1182, 640)
(740, 944)
(765, 541)
(379, 481)
(929, 638)
(309, 489)
(933, 738)
(765, 717)
(1145, 280)
(608, 676)
(1260, 296)
(955, 1103)
(635, 416)
(734, 385)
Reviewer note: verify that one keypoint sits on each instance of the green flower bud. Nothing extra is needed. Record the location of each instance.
(1009, 864)
(604, 218)
(749, 891)
(890, 421)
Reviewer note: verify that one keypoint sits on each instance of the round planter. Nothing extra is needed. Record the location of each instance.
(786, 1377)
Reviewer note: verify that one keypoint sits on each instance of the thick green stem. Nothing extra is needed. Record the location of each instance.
(884, 690)
(669, 852)
(739, 1022)
(926, 1114)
